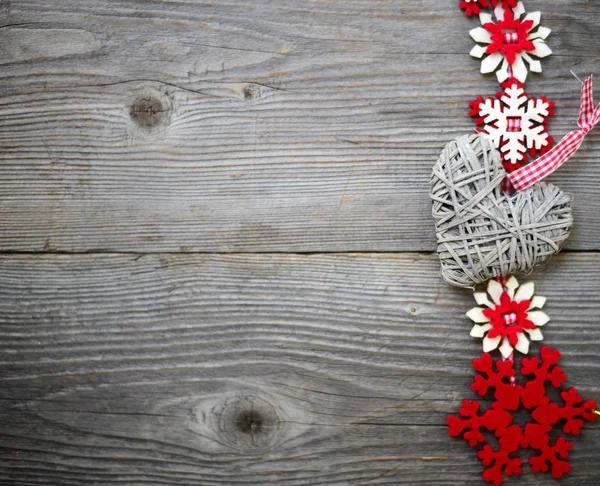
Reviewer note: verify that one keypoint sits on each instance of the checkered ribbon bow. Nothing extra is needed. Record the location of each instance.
(535, 171)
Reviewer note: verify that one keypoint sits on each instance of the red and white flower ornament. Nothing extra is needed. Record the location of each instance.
(507, 317)
(510, 43)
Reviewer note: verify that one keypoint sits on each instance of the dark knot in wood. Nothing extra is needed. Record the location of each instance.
(249, 422)
(248, 93)
(147, 112)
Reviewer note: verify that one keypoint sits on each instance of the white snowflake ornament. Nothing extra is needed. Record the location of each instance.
(507, 320)
(515, 123)
(510, 42)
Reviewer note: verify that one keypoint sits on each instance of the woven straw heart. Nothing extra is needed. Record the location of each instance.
(481, 232)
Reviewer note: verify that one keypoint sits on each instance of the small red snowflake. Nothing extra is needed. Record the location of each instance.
(510, 81)
(474, 6)
(505, 3)
(509, 396)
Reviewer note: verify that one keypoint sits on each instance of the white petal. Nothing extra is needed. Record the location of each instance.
(535, 334)
(519, 10)
(535, 66)
(478, 52)
(479, 331)
(494, 288)
(541, 33)
(522, 345)
(539, 318)
(537, 302)
(499, 12)
(476, 315)
(479, 34)
(506, 349)
(541, 49)
(535, 16)
(490, 63)
(485, 18)
(511, 284)
(519, 69)
(502, 73)
(525, 292)
(490, 344)
(482, 299)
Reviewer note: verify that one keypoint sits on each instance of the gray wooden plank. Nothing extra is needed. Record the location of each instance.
(279, 126)
(257, 369)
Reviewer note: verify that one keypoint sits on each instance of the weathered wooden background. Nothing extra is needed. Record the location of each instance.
(215, 241)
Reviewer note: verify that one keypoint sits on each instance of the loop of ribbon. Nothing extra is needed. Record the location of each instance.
(534, 172)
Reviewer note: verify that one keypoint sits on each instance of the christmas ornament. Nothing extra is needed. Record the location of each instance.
(510, 42)
(483, 232)
(515, 123)
(507, 316)
(509, 397)
(474, 6)
(495, 216)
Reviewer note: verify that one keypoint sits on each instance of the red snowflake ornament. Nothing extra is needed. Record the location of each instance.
(505, 3)
(510, 81)
(509, 397)
(474, 6)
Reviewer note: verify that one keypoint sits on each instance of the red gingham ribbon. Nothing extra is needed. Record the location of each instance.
(535, 171)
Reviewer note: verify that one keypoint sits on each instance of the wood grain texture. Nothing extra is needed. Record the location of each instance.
(296, 125)
(139, 130)
(256, 369)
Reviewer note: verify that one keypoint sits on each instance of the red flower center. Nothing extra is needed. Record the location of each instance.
(509, 36)
(509, 318)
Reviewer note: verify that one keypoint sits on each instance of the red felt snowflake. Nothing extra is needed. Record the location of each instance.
(474, 6)
(509, 396)
(510, 81)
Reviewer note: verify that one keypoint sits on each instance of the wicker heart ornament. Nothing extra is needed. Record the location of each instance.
(482, 232)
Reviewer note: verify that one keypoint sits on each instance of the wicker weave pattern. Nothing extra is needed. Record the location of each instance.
(481, 232)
